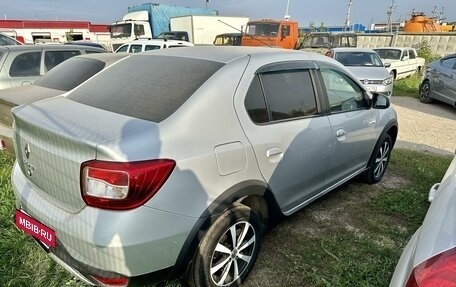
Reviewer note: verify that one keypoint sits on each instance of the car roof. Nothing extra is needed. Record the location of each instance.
(157, 41)
(225, 54)
(348, 49)
(49, 47)
(393, 48)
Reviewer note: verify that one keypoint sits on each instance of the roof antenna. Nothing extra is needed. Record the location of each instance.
(287, 16)
(347, 19)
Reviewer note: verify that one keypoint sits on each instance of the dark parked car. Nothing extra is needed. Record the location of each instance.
(228, 39)
(22, 64)
(64, 77)
(439, 81)
(7, 40)
(85, 43)
(174, 161)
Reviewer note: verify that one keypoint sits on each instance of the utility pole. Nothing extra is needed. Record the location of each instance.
(287, 16)
(347, 19)
(389, 12)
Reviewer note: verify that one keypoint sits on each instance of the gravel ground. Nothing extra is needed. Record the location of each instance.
(425, 127)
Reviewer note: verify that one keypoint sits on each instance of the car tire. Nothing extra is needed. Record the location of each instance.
(425, 91)
(393, 74)
(228, 250)
(379, 160)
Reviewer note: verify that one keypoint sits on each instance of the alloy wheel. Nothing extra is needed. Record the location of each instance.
(382, 159)
(233, 253)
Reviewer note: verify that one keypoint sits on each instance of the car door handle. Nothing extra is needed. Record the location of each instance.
(274, 152)
(341, 134)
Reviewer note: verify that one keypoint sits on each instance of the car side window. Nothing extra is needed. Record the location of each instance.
(26, 65)
(282, 95)
(53, 58)
(135, 48)
(151, 47)
(123, 49)
(449, 63)
(411, 54)
(344, 94)
(255, 103)
(290, 94)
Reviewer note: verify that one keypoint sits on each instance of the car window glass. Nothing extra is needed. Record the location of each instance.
(290, 94)
(135, 48)
(70, 73)
(343, 93)
(255, 103)
(151, 47)
(136, 88)
(123, 49)
(53, 58)
(26, 65)
(411, 54)
(449, 63)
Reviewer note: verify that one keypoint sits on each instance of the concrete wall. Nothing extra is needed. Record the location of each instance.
(441, 43)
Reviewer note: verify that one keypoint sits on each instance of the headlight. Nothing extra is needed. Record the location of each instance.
(388, 81)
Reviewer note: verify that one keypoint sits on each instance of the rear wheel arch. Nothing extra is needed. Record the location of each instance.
(252, 194)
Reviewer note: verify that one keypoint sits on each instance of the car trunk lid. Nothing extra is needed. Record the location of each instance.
(54, 137)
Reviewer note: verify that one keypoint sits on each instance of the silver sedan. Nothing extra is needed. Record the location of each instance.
(175, 160)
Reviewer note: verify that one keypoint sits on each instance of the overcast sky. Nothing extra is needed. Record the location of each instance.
(330, 12)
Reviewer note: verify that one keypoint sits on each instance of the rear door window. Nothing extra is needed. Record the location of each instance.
(53, 58)
(26, 65)
(281, 95)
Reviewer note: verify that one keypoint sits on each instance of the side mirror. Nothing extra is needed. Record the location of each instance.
(387, 65)
(405, 58)
(380, 101)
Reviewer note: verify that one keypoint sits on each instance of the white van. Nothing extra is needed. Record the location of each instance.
(147, 45)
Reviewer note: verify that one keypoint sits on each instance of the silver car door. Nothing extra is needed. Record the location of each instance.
(290, 137)
(353, 125)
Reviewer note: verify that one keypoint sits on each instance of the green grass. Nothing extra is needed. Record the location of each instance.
(350, 237)
(407, 87)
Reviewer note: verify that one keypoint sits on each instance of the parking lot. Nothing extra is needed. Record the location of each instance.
(425, 127)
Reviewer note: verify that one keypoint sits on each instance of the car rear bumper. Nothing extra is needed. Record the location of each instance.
(128, 243)
(405, 264)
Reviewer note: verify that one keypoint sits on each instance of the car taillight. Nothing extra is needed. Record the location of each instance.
(123, 185)
(106, 281)
(439, 270)
(2, 145)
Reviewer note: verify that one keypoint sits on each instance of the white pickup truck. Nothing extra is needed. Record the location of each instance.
(404, 61)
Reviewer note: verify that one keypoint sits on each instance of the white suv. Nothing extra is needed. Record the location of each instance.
(154, 44)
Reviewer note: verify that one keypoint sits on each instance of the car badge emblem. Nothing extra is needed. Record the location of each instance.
(366, 82)
(27, 150)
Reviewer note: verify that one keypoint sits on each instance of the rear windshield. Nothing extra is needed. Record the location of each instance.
(146, 87)
(70, 73)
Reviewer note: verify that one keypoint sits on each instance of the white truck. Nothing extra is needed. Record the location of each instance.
(404, 61)
(202, 30)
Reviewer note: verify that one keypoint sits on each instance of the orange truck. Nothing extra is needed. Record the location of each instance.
(273, 33)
